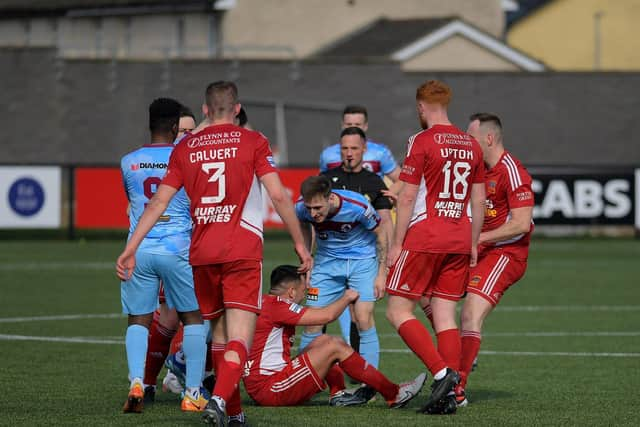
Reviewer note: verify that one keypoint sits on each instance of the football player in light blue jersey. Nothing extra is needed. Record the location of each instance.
(163, 255)
(351, 250)
(377, 157)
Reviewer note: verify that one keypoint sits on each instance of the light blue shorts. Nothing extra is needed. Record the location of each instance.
(332, 276)
(139, 295)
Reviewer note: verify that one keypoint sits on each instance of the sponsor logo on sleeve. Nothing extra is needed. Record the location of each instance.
(408, 170)
(524, 196)
(312, 294)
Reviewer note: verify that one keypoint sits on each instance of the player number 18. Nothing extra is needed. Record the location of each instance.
(216, 172)
(461, 171)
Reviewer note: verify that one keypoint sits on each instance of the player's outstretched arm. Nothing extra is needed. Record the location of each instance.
(284, 207)
(324, 315)
(478, 204)
(406, 203)
(155, 208)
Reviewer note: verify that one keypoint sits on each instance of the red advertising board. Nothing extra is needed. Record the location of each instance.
(101, 202)
(100, 198)
(291, 179)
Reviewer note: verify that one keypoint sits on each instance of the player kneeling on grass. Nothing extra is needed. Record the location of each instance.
(272, 378)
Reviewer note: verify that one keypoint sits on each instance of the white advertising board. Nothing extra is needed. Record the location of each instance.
(30, 196)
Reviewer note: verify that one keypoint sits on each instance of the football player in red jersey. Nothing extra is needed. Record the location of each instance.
(504, 240)
(273, 378)
(221, 168)
(434, 242)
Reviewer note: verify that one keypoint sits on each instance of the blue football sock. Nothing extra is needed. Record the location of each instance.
(194, 348)
(345, 324)
(306, 339)
(136, 343)
(370, 346)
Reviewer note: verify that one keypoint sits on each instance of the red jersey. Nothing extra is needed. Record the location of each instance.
(219, 168)
(444, 162)
(275, 331)
(508, 186)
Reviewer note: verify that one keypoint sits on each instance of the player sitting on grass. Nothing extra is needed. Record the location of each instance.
(272, 378)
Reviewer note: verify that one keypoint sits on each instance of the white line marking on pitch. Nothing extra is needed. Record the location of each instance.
(537, 308)
(38, 266)
(531, 353)
(544, 334)
(82, 340)
(568, 308)
(61, 317)
(91, 340)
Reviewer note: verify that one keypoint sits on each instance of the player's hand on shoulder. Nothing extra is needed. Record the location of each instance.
(351, 295)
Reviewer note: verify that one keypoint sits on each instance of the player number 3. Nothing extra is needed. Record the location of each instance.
(461, 171)
(216, 170)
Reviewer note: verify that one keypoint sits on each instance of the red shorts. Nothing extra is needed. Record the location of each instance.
(295, 384)
(494, 274)
(421, 273)
(236, 284)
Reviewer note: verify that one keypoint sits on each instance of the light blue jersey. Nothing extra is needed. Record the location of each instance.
(348, 233)
(345, 258)
(377, 158)
(142, 172)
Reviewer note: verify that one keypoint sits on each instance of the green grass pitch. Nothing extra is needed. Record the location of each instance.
(563, 347)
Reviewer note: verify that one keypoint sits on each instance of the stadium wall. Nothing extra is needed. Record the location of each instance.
(88, 112)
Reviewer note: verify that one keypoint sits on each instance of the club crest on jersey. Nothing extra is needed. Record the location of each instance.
(491, 187)
(345, 228)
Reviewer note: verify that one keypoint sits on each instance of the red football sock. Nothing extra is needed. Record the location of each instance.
(470, 347)
(158, 349)
(230, 372)
(417, 338)
(359, 369)
(449, 347)
(216, 351)
(335, 379)
(176, 343)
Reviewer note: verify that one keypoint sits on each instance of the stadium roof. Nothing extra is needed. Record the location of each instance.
(525, 8)
(13, 8)
(403, 39)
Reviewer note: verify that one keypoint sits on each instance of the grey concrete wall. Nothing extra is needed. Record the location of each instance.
(93, 112)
